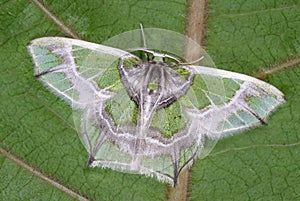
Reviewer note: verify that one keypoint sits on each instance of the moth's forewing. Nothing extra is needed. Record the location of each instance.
(69, 67)
(247, 102)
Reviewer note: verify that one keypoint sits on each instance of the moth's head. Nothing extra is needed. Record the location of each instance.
(147, 55)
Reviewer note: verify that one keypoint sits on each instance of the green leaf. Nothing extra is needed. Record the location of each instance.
(37, 127)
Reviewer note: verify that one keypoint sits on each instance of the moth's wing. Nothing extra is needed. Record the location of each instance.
(247, 102)
(82, 74)
(69, 67)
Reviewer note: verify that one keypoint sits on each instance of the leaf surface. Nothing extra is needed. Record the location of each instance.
(37, 127)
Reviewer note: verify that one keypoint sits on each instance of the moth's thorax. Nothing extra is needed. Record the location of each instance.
(155, 77)
(154, 82)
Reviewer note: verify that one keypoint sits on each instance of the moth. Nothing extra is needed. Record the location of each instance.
(148, 113)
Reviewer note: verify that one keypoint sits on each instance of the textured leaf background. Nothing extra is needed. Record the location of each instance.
(42, 157)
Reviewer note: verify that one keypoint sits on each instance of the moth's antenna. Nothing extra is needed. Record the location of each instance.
(192, 62)
(143, 36)
(144, 41)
